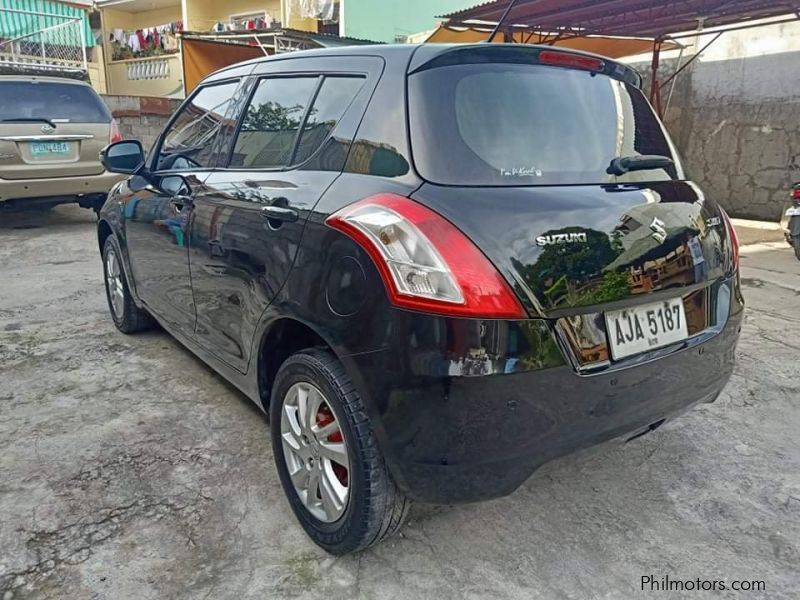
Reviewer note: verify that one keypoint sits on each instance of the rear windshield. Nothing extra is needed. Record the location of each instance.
(45, 100)
(529, 124)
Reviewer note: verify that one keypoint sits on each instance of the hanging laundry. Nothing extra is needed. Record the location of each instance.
(170, 42)
(323, 10)
(145, 43)
(134, 43)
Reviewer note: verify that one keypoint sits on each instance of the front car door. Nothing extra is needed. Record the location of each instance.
(292, 144)
(157, 214)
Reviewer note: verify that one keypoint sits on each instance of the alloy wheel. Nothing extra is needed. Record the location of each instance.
(116, 291)
(315, 452)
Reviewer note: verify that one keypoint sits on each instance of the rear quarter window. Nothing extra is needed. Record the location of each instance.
(48, 100)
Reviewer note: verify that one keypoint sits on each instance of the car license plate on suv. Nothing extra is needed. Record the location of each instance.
(50, 148)
(646, 327)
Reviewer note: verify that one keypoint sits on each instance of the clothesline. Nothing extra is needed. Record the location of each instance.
(146, 42)
(252, 22)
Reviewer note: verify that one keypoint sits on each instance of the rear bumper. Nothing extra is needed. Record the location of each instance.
(476, 426)
(58, 187)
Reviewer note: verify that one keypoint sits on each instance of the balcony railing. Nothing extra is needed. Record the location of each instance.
(43, 41)
(156, 76)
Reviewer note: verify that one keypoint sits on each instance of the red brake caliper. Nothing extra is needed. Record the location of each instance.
(325, 417)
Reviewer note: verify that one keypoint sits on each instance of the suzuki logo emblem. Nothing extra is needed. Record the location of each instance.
(659, 230)
(562, 238)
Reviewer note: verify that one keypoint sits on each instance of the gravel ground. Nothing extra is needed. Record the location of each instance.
(128, 469)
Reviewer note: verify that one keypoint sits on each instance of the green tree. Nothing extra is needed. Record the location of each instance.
(570, 272)
(615, 286)
(271, 116)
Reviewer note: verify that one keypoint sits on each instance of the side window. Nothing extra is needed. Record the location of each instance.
(333, 99)
(271, 122)
(270, 136)
(189, 142)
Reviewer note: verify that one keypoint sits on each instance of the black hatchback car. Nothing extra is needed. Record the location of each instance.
(435, 267)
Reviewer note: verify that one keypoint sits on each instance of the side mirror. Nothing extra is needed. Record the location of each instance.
(126, 157)
(175, 185)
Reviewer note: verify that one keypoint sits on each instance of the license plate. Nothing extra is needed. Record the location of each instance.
(646, 327)
(50, 148)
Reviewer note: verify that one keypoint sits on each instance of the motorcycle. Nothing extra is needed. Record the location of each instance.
(792, 221)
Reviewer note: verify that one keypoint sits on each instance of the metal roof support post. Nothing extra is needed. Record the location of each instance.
(511, 4)
(260, 45)
(674, 81)
(692, 59)
(85, 58)
(655, 87)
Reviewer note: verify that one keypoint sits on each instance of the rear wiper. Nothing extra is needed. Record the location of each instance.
(30, 120)
(626, 164)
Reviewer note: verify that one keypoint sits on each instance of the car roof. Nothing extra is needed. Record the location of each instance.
(380, 50)
(44, 79)
(421, 53)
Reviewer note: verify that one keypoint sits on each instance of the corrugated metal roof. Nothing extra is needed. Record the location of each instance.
(643, 18)
(327, 40)
(28, 17)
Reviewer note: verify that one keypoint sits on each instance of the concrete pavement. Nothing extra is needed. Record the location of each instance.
(128, 469)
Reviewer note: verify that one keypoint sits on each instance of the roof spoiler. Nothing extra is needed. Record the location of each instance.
(435, 55)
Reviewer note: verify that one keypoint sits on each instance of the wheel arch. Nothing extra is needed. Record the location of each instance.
(104, 231)
(107, 226)
(284, 337)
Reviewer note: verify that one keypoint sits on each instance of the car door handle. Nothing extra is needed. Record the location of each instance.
(280, 213)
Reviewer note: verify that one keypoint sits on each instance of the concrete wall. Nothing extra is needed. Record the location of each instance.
(737, 124)
(735, 116)
(141, 118)
(202, 15)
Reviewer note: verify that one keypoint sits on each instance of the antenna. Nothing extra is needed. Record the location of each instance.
(500, 22)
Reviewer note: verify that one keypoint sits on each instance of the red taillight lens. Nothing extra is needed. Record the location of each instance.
(116, 136)
(426, 263)
(574, 61)
(734, 239)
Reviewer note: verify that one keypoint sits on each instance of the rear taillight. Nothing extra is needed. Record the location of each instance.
(116, 136)
(574, 61)
(426, 263)
(734, 239)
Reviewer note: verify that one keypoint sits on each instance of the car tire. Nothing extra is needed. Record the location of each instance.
(375, 508)
(128, 317)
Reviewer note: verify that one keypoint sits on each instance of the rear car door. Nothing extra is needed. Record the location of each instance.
(51, 128)
(249, 219)
(158, 213)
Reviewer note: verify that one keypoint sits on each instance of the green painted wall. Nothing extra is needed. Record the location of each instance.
(383, 20)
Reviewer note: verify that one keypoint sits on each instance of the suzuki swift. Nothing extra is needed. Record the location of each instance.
(435, 267)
